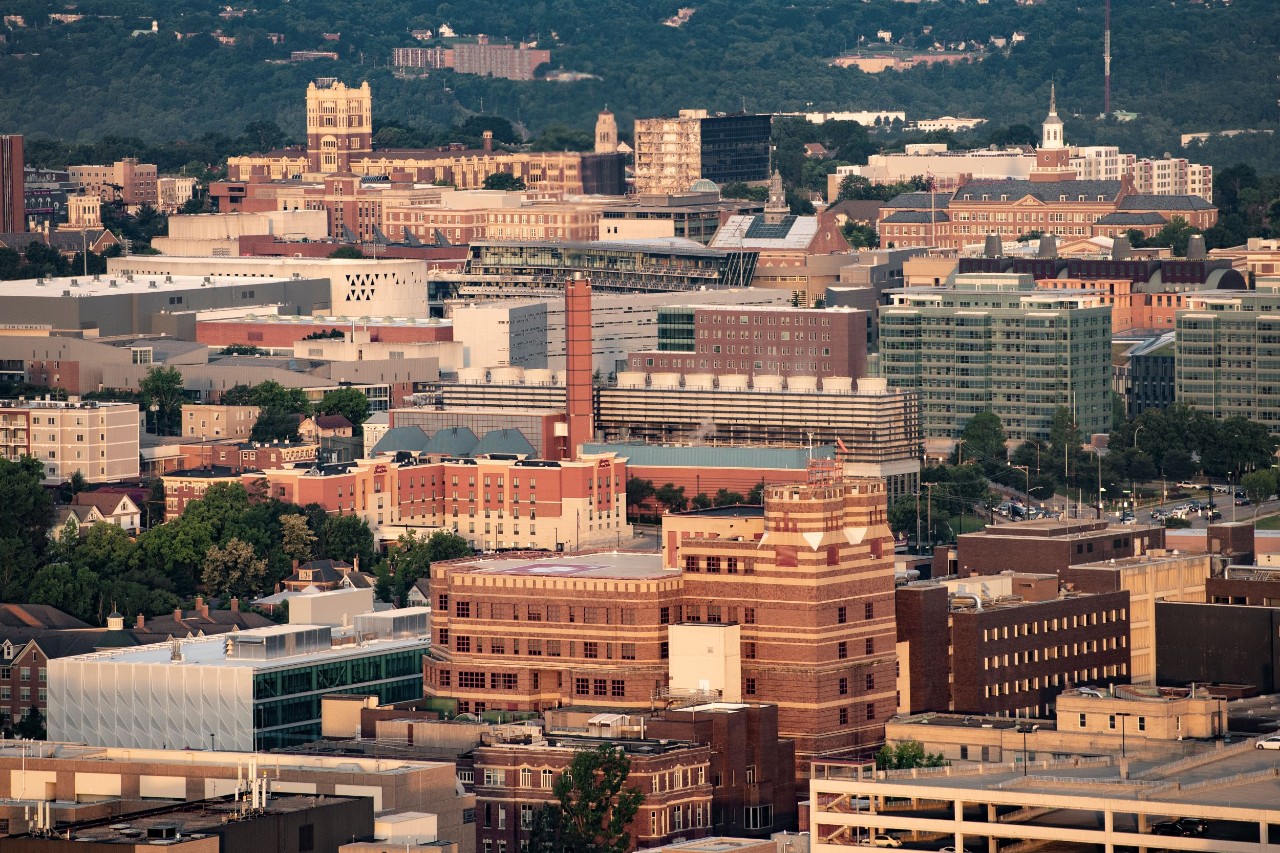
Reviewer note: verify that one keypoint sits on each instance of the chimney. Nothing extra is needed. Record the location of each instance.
(202, 606)
(177, 614)
(1195, 248)
(1048, 246)
(1120, 248)
(577, 338)
(355, 563)
(994, 248)
(140, 624)
(235, 605)
(487, 136)
(295, 565)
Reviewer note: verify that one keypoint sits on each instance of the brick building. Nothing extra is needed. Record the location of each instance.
(809, 587)
(777, 341)
(1047, 544)
(512, 781)
(13, 205)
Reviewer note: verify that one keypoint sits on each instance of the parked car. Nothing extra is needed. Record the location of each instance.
(882, 840)
(1271, 742)
(1159, 514)
(1215, 515)
(1243, 501)
(1196, 825)
(1187, 484)
(1169, 827)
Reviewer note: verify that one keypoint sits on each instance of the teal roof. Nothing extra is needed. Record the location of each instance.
(452, 441)
(410, 438)
(509, 441)
(709, 456)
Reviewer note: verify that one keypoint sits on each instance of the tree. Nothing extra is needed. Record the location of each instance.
(275, 425)
(347, 537)
(672, 498)
(447, 545)
(69, 589)
(234, 569)
(23, 525)
(701, 501)
(504, 181)
(162, 395)
(638, 491)
(31, 726)
(351, 253)
(906, 755)
(724, 497)
(983, 440)
(591, 809)
(1258, 486)
(756, 496)
(296, 539)
(351, 403)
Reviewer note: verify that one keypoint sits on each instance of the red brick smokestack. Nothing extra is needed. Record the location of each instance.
(577, 338)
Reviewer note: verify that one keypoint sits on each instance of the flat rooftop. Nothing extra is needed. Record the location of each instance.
(115, 284)
(324, 320)
(343, 764)
(185, 822)
(612, 565)
(208, 652)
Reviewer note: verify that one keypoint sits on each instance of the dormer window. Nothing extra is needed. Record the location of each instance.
(1062, 197)
(8, 650)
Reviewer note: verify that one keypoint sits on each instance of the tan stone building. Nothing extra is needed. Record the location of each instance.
(100, 440)
(208, 421)
(127, 180)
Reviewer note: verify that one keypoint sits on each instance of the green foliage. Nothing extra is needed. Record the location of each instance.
(591, 809)
(23, 525)
(296, 538)
(672, 497)
(162, 389)
(701, 501)
(234, 569)
(504, 181)
(1258, 486)
(347, 537)
(31, 726)
(37, 259)
(351, 403)
(906, 755)
(859, 188)
(1173, 437)
(724, 497)
(638, 491)
(241, 349)
(347, 252)
(744, 191)
(861, 236)
(983, 440)
(329, 334)
(560, 137)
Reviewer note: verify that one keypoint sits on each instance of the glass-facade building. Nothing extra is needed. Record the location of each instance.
(255, 690)
(1227, 355)
(736, 148)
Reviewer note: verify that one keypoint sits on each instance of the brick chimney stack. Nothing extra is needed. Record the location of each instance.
(577, 335)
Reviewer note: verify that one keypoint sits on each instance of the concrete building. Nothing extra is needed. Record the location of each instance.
(1224, 353)
(219, 826)
(878, 427)
(522, 634)
(691, 215)
(673, 153)
(218, 234)
(103, 782)
(357, 288)
(255, 689)
(850, 800)
(126, 180)
(99, 440)
(800, 255)
(122, 303)
(969, 348)
(502, 333)
(13, 212)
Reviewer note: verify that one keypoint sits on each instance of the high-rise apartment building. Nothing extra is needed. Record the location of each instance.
(1227, 355)
(994, 342)
(13, 215)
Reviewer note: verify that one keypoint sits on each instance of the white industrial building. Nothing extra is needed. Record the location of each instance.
(244, 691)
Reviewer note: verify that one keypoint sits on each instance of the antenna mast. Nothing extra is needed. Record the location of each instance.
(1106, 60)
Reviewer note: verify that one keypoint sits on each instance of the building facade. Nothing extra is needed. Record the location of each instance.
(804, 603)
(128, 181)
(13, 212)
(1227, 354)
(996, 343)
(99, 440)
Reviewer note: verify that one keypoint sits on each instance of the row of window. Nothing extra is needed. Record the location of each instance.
(1076, 620)
(1008, 688)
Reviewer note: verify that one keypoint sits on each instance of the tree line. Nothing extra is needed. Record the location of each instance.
(234, 541)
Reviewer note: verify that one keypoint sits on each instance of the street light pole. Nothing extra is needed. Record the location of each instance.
(1123, 715)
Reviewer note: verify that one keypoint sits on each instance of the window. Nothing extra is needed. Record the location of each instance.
(870, 646)
(759, 817)
(628, 651)
(599, 687)
(842, 650)
(664, 615)
(590, 649)
(1142, 724)
(749, 687)
(664, 650)
(548, 779)
(871, 681)
(749, 615)
(462, 644)
(842, 615)
(749, 650)
(494, 779)
(844, 716)
(472, 680)
(526, 816)
(582, 687)
(869, 610)
(871, 710)
(1111, 721)
(844, 687)
(462, 609)
(618, 688)
(1082, 719)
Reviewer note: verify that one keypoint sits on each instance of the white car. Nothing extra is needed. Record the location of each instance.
(1272, 742)
(882, 840)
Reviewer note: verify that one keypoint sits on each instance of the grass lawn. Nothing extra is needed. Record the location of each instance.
(1269, 522)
